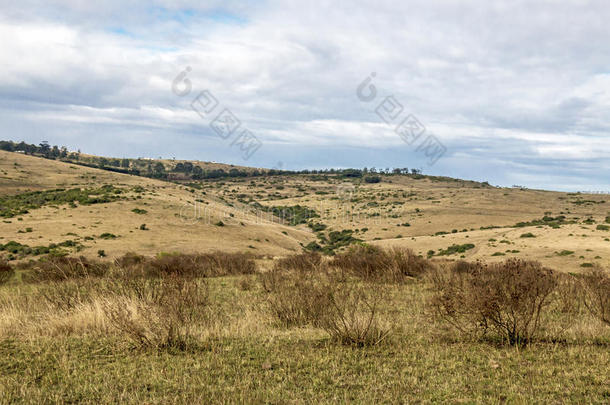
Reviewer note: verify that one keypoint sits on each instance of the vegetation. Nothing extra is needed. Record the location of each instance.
(20, 204)
(98, 330)
(453, 249)
(507, 298)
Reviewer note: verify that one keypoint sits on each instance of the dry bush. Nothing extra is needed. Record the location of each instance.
(375, 264)
(158, 313)
(596, 289)
(301, 262)
(65, 268)
(348, 312)
(352, 315)
(202, 265)
(6, 272)
(508, 298)
(129, 259)
(66, 295)
(296, 298)
(462, 266)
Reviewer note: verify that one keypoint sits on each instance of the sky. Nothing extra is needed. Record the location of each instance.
(510, 92)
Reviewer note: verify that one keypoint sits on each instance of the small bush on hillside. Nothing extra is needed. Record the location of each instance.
(508, 298)
(453, 249)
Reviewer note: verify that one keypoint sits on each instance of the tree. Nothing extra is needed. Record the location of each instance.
(125, 163)
(197, 172)
(44, 148)
(159, 170)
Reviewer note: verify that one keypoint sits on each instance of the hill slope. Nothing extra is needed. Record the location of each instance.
(427, 214)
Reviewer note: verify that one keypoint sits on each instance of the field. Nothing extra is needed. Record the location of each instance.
(297, 288)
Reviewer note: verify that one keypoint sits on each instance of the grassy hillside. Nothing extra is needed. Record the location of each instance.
(260, 214)
(202, 292)
(166, 209)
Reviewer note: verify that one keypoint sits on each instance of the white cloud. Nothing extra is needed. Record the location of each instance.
(509, 83)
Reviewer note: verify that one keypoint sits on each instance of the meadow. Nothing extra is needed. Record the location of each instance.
(365, 326)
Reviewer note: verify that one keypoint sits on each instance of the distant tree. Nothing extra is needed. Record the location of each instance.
(188, 167)
(197, 172)
(352, 173)
(125, 163)
(179, 167)
(44, 148)
(159, 170)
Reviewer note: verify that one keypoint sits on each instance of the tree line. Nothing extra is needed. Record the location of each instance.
(185, 170)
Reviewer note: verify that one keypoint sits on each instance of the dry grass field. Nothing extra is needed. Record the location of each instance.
(423, 214)
(218, 303)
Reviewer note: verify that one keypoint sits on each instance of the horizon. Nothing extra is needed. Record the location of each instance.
(512, 93)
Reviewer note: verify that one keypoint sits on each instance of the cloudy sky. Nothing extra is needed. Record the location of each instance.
(514, 92)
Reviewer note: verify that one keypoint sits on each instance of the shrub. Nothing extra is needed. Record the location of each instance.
(596, 287)
(65, 268)
(453, 249)
(508, 298)
(101, 253)
(373, 263)
(296, 298)
(202, 265)
(603, 228)
(352, 316)
(158, 313)
(6, 272)
(129, 259)
(143, 227)
(527, 235)
(302, 262)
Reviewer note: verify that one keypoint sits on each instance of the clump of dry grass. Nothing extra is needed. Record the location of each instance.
(6, 272)
(372, 263)
(509, 298)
